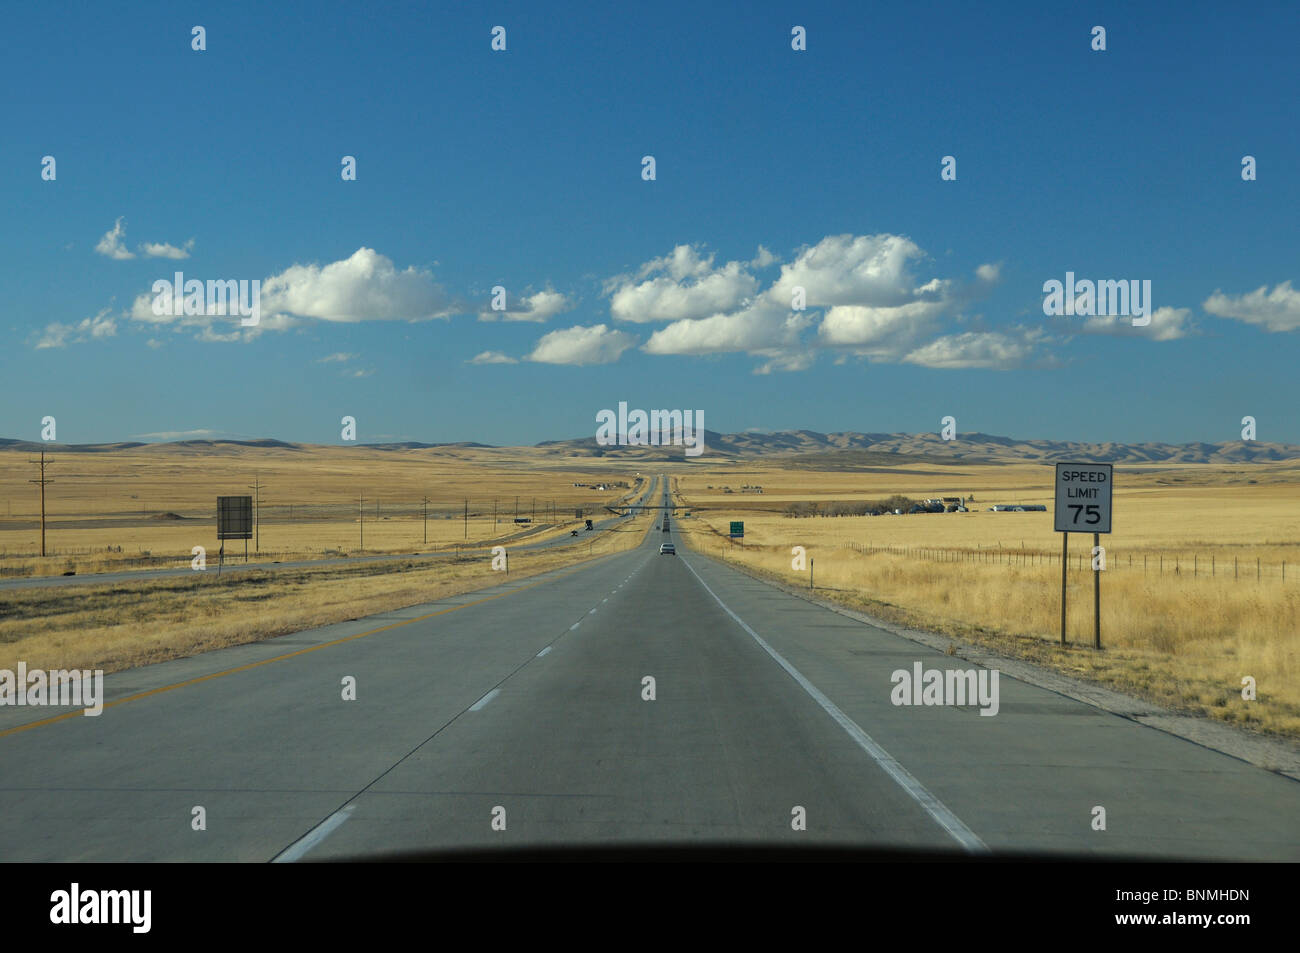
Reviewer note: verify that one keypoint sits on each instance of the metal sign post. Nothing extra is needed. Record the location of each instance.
(1096, 596)
(1083, 502)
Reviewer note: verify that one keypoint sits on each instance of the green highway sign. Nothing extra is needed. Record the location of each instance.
(737, 529)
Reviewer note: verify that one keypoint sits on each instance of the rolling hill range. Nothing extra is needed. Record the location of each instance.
(802, 447)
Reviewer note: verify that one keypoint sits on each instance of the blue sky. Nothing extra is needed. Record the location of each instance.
(774, 168)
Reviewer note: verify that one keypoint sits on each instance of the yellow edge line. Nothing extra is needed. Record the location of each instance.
(287, 655)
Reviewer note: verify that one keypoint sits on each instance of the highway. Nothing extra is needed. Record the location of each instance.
(527, 705)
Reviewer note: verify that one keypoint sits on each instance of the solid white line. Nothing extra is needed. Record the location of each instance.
(298, 848)
(543, 651)
(591, 612)
(485, 699)
(574, 626)
(932, 805)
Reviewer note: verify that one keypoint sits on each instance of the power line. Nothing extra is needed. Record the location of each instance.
(257, 487)
(43, 481)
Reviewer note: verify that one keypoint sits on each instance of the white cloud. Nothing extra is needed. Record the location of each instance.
(1167, 324)
(210, 336)
(492, 357)
(339, 358)
(363, 287)
(883, 333)
(579, 345)
(178, 435)
(359, 372)
(539, 308)
(61, 335)
(154, 343)
(992, 350)
(111, 245)
(869, 270)
(1276, 310)
(786, 361)
(684, 285)
(859, 293)
(166, 250)
(762, 326)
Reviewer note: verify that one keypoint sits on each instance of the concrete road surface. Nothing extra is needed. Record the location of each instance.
(527, 708)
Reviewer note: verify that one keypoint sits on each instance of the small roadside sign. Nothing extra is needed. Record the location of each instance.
(737, 529)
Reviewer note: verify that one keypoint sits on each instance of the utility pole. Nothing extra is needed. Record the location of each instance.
(425, 503)
(516, 509)
(361, 509)
(43, 482)
(494, 517)
(534, 517)
(467, 519)
(257, 487)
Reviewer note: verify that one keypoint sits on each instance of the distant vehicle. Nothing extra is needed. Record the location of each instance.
(589, 526)
(573, 532)
(667, 549)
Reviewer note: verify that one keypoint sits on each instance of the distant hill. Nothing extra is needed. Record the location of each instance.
(808, 447)
(799, 447)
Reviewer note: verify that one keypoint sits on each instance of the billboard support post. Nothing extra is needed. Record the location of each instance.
(234, 521)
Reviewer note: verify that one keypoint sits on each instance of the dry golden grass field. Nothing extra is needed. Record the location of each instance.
(1201, 587)
(120, 626)
(103, 514)
(149, 506)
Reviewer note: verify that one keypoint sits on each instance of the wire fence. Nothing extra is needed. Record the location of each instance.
(487, 522)
(1194, 566)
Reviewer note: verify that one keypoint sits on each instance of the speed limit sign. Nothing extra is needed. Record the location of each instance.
(1083, 493)
(1083, 497)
